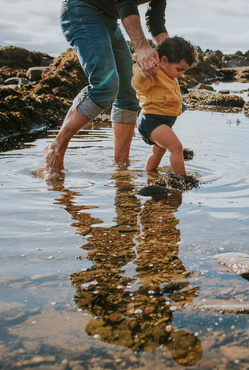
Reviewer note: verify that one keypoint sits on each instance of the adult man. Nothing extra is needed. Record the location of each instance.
(91, 28)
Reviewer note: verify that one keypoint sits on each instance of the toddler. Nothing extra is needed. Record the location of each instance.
(161, 102)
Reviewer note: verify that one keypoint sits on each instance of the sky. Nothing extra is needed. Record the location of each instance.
(210, 24)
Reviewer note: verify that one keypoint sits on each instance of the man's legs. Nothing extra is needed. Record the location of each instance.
(123, 134)
(89, 32)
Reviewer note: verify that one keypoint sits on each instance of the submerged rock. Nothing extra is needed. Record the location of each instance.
(238, 263)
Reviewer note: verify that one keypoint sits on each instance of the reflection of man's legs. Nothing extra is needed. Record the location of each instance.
(125, 107)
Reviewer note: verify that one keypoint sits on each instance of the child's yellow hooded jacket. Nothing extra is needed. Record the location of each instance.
(160, 95)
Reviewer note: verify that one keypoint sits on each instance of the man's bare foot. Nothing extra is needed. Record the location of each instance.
(53, 159)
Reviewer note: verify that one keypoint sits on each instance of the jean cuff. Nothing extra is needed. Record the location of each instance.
(85, 106)
(123, 115)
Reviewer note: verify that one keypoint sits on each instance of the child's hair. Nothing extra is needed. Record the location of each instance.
(176, 48)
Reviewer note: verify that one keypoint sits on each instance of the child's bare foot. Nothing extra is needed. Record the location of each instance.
(53, 159)
(153, 173)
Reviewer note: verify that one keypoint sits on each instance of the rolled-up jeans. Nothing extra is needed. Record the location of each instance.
(106, 60)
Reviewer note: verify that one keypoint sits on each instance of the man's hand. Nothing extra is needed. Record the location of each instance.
(147, 57)
(148, 61)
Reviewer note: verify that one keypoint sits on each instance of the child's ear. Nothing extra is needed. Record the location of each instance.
(164, 59)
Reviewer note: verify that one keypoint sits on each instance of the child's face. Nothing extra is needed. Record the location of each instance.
(173, 70)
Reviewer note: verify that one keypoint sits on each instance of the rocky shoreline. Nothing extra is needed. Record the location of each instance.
(37, 90)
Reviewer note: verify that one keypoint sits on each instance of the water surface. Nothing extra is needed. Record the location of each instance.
(94, 275)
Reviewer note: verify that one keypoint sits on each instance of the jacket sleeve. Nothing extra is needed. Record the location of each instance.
(155, 17)
(126, 7)
(140, 83)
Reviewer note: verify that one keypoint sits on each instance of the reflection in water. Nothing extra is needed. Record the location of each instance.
(136, 280)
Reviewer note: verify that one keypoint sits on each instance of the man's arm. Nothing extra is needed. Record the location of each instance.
(147, 57)
(160, 38)
(155, 17)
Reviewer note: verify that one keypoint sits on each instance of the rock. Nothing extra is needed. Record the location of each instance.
(224, 92)
(228, 73)
(152, 190)
(223, 100)
(196, 98)
(242, 73)
(171, 182)
(35, 73)
(188, 154)
(205, 87)
(18, 81)
(238, 263)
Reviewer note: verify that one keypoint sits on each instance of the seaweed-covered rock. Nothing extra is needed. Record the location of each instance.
(203, 71)
(225, 100)
(65, 77)
(22, 111)
(197, 99)
(42, 104)
(178, 182)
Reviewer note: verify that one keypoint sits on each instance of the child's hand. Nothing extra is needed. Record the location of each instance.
(155, 65)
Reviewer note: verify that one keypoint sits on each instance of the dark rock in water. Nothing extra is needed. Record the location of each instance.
(152, 190)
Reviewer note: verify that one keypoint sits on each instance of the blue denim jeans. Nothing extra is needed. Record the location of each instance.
(106, 60)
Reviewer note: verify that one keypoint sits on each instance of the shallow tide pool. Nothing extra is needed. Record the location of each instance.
(95, 276)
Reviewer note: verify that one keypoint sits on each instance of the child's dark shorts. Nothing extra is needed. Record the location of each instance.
(146, 123)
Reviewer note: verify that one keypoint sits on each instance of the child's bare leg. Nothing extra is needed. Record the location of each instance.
(154, 158)
(165, 138)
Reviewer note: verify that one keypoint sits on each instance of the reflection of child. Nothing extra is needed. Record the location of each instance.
(161, 102)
